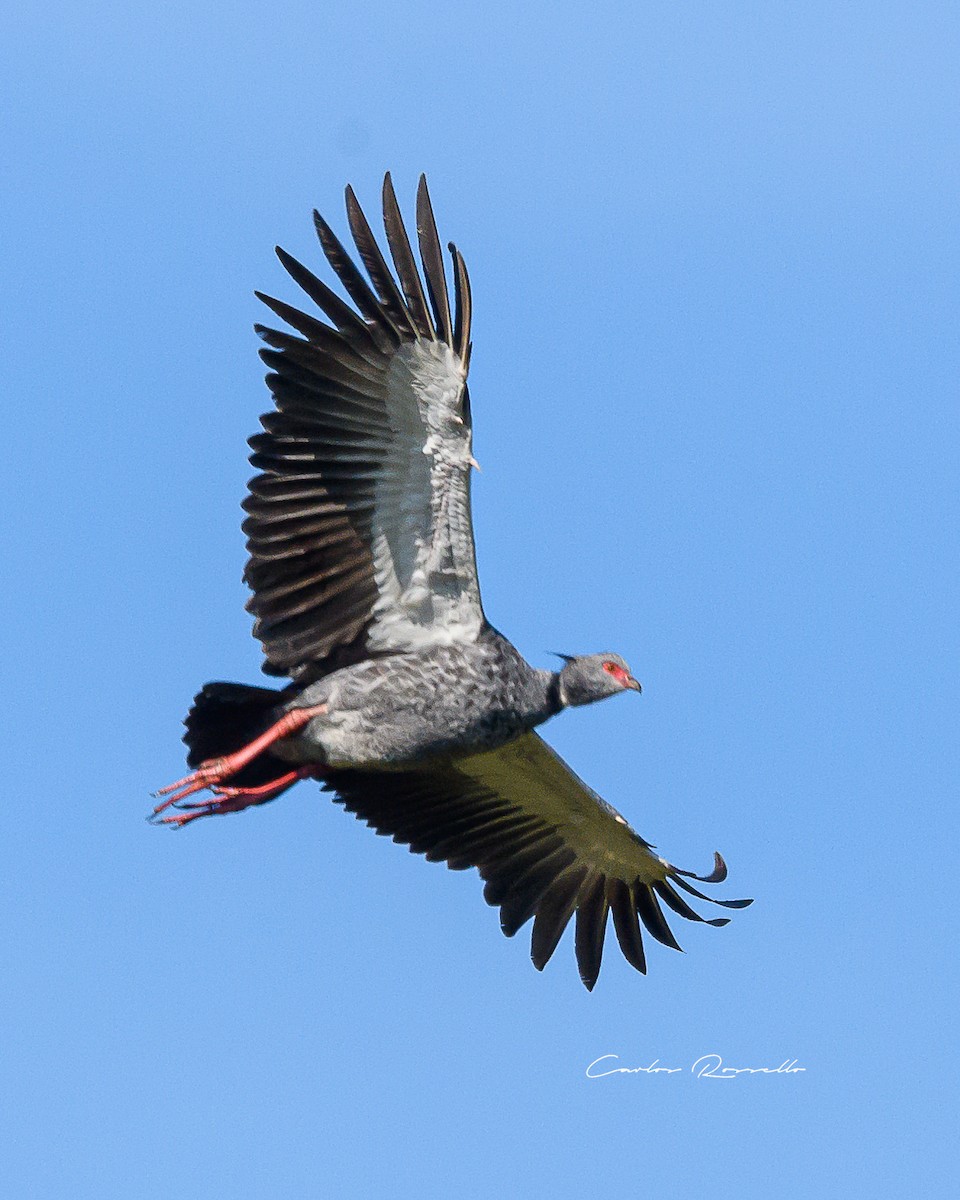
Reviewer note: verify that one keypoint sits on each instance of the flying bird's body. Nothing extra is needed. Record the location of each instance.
(409, 706)
(380, 714)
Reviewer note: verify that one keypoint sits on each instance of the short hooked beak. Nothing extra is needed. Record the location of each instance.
(632, 684)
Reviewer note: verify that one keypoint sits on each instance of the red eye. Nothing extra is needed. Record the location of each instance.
(620, 675)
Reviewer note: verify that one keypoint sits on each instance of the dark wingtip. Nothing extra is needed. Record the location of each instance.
(651, 914)
(681, 883)
(290, 264)
(719, 867)
(717, 875)
(679, 878)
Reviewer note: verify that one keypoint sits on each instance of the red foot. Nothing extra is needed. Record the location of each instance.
(215, 770)
(235, 799)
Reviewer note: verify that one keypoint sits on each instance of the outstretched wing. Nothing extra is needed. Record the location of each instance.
(547, 846)
(359, 526)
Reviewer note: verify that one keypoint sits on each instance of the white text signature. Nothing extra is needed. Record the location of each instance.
(707, 1066)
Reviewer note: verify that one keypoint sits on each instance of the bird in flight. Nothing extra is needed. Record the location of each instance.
(404, 701)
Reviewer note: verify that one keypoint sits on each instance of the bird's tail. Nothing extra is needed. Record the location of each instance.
(228, 716)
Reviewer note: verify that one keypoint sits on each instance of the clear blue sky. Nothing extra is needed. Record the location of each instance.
(714, 251)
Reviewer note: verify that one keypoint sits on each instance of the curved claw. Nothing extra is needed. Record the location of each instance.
(206, 775)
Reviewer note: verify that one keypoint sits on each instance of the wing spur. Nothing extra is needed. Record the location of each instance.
(547, 846)
(359, 527)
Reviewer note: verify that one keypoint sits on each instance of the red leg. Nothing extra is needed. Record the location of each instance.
(235, 799)
(215, 770)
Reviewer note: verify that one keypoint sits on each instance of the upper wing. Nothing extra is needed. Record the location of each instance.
(547, 846)
(359, 526)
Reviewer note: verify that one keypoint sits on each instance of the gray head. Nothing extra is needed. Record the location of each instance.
(589, 677)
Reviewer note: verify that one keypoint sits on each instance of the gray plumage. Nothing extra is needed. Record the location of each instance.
(365, 593)
(406, 709)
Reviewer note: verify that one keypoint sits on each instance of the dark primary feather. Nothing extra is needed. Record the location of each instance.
(393, 302)
(339, 312)
(464, 306)
(547, 847)
(432, 258)
(375, 313)
(403, 260)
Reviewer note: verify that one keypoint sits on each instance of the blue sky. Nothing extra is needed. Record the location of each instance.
(714, 253)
